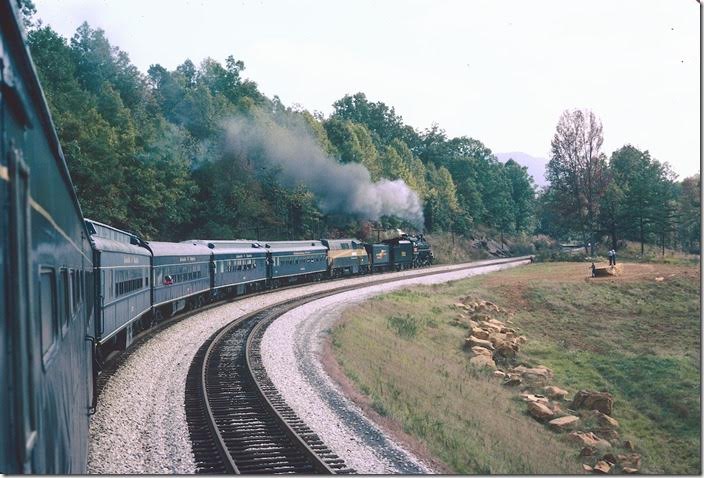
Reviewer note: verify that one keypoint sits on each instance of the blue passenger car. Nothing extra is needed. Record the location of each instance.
(296, 261)
(180, 276)
(238, 266)
(46, 313)
(123, 292)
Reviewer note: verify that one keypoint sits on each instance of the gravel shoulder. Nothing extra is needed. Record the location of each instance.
(292, 350)
(140, 423)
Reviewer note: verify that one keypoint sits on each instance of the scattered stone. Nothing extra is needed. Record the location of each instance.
(482, 361)
(539, 411)
(460, 305)
(477, 350)
(610, 459)
(659, 279)
(563, 423)
(602, 467)
(556, 393)
(590, 400)
(512, 380)
(529, 397)
(629, 470)
(630, 460)
(628, 445)
(504, 352)
(521, 339)
(536, 376)
(589, 439)
(499, 373)
(480, 333)
(587, 468)
(605, 420)
(473, 342)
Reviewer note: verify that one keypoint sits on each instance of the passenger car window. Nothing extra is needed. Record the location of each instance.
(47, 300)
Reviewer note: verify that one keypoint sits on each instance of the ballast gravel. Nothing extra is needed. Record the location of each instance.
(140, 422)
(291, 350)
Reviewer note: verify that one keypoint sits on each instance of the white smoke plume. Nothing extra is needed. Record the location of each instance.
(338, 187)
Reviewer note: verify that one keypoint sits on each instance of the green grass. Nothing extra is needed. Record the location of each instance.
(636, 338)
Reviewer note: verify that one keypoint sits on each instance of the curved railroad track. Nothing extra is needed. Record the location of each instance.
(237, 420)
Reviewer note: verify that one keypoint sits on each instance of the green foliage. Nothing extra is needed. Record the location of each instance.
(148, 152)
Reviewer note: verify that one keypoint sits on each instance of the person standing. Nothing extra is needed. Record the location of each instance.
(611, 257)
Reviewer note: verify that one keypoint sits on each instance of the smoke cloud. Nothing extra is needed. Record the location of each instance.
(338, 187)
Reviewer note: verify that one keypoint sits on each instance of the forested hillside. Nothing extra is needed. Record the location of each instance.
(200, 152)
(162, 154)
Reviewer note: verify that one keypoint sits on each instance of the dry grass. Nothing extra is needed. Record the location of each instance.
(631, 335)
(413, 368)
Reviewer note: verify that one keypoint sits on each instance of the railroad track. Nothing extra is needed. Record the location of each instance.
(237, 420)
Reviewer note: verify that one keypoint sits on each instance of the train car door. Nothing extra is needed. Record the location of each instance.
(25, 356)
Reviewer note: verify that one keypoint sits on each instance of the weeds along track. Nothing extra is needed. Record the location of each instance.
(237, 420)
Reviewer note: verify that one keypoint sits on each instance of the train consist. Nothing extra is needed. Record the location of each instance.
(139, 283)
(74, 290)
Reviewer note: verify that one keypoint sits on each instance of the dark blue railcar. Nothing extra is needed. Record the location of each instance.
(296, 261)
(45, 280)
(401, 253)
(180, 276)
(238, 266)
(379, 256)
(122, 289)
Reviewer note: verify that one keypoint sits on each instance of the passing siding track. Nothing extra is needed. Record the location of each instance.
(237, 420)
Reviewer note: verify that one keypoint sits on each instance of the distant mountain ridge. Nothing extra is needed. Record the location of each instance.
(535, 165)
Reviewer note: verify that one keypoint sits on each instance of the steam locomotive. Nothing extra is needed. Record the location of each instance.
(75, 290)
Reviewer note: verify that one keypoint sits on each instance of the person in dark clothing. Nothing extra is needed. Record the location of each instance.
(593, 270)
(613, 256)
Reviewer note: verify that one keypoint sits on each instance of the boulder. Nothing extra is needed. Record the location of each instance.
(529, 397)
(589, 439)
(477, 350)
(499, 374)
(610, 459)
(504, 353)
(474, 342)
(480, 333)
(628, 445)
(536, 376)
(629, 471)
(602, 467)
(556, 393)
(539, 411)
(605, 420)
(630, 460)
(587, 468)
(512, 380)
(563, 423)
(590, 400)
(482, 361)
(480, 317)
(521, 339)
(462, 306)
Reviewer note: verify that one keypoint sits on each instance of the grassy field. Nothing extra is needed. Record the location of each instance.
(633, 336)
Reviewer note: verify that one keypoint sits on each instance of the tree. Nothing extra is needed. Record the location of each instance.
(577, 171)
(522, 194)
(689, 205)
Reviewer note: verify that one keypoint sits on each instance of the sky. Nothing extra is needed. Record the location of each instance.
(501, 72)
